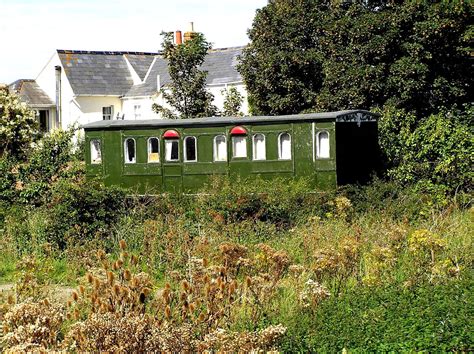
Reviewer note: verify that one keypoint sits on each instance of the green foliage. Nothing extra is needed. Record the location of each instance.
(232, 102)
(187, 93)
(437, 153)
(394, 318)
(18, 126)
(322, 55)
(281, 202)
(281, 66)
(82, 211)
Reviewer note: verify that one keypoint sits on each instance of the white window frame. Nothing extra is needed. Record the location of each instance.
(125, 150)
(280, 150)
(254, 148)
(234, 138)
(318, 147)
(98, 160)
(186, 151)
(169, 142)
(215, 148)
(137, 111)
(149, 149)
(108, 116)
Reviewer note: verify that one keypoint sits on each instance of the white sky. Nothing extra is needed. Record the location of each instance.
(30, 30)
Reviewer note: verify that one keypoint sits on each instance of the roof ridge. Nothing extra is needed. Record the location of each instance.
(226, 48)
(104, 52)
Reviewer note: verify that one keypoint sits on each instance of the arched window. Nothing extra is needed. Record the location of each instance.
(284, 146)
(259, 149)
(96, 152)
(172, 150)
(239, 146)
(130, 150)
(153, 150)
(322, 145)
(190, 149)
(220, 148)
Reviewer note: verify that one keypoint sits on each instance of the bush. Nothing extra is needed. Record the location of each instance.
(279, 201)
(435, 153)
(83, 211)
(392, 318)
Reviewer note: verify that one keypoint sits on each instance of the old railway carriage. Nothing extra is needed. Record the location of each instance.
(154, 156)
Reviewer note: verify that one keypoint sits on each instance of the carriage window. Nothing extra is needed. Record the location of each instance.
(96, 153)
(239, 146)
(190, 149)
(172, 150)
(322, 145)
(259, 151)
(153, 150)
(220, 148)
(284, 146)
(130, 152)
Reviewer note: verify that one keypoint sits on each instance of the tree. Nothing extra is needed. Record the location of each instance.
(232, 102)
(186, 93)
(18, 126)
(282, 65)
(330, 55)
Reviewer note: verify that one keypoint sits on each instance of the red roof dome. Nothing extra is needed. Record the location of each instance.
(170, 134)
(238, 131)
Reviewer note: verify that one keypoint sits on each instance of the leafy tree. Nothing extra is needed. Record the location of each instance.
(18, 126)
(331, 55)
(282, 65)
(187, 93)
(232, 102)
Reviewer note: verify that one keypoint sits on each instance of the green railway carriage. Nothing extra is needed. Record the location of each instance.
(155, 156)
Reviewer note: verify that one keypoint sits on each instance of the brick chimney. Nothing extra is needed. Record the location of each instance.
(179, 37)
(189, 33)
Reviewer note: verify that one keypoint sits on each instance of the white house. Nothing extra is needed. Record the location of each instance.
(87, 86)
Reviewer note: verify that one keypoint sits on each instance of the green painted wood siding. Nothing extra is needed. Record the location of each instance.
(180, 176)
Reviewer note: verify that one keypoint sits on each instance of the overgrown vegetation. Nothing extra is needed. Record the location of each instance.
(236, 268)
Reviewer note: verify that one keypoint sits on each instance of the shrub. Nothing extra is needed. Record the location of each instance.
(82, 211)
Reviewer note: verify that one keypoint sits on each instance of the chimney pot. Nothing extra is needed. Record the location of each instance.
(179, 37)
(190, 32)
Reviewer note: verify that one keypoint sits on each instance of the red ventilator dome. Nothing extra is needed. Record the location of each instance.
(170, 134)
(238, 131)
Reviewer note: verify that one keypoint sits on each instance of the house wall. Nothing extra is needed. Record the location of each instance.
(87, 109)
(219, 96)
(128, 108)
(46, 79)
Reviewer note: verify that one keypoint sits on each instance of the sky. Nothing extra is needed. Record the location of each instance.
(31, 30)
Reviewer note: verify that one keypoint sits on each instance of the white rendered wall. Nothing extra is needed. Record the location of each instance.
(128, 108)
(87, 109)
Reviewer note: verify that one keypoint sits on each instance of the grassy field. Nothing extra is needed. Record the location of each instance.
(363, 269)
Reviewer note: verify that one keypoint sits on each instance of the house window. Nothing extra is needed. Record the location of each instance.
(322, 145)
(43, 120)
(153, 150)
(137, 111)
(259, 150)
(107, 113)
(96, 153)
(284, 146)
(130, 150)
(172, 150)
(190, 154)
(220, 148)
(239, 146)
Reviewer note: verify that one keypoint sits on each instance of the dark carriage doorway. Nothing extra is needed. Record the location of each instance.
(357, 152)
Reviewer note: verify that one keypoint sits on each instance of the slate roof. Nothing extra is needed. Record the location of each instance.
(220, 121)
(107, 74)
(100, 73)
(219, 63)
(140, 63)
(30, 93)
